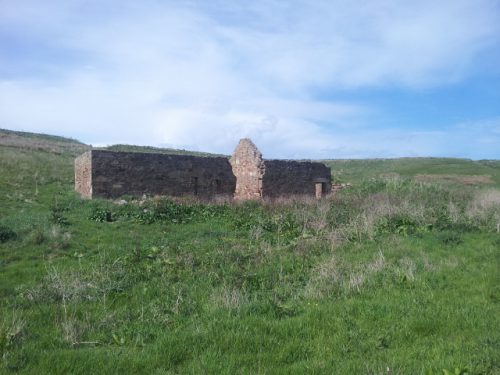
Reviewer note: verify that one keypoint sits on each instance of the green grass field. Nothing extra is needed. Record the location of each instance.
(398, 274)
(359, 170)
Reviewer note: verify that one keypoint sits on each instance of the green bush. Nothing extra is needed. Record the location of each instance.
(101, 215)
(7, 234)
(165, 210)
(58, 219)
(399, 224)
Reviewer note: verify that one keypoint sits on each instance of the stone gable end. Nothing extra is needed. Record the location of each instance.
(248, 168)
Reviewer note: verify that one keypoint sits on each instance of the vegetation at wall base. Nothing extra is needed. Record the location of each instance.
(395, 275)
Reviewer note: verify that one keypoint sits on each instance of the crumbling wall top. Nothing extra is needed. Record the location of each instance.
(248, 167)
(245, 152)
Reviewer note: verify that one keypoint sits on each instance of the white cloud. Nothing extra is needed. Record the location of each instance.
(203, 74)
(276, 136)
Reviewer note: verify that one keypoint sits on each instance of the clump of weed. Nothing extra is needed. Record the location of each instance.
(6, 234)
(11, 329)
(399, 224)
(61, 205)
(57, 217)
(37, 236)
(334, 276)
(160, 210)
(167, 210)
(450, 238)
(85, 284)
(73, 329)
(272, 222)
(405, 271)
(248, 216)
(55, 236)
(229, 298)
(405, 207)
(484, 209)
(60, 239)
(101, 215)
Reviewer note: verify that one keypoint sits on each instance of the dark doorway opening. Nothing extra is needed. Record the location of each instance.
(195, 185)
(218, 186)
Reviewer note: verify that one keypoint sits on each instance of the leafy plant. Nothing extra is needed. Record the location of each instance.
(398, 224)
(58, 219)
(101, 215)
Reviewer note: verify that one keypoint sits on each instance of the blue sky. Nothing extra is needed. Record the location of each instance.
(303, 79)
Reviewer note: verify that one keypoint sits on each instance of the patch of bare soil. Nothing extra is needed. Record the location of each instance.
(455, 178)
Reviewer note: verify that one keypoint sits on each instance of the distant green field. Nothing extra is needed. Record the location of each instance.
(358, 170)
(396, 275)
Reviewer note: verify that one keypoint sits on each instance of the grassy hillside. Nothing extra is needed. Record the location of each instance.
(486, 172)
(58, 145)
(396, 275)
(40, 142)
(157, 150)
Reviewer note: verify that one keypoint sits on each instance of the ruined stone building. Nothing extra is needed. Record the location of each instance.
(258, 178)
(108, 174)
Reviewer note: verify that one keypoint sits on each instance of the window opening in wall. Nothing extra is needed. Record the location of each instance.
(195, 185)
(218, 186)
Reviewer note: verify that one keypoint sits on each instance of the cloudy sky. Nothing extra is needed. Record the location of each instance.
(303, 79)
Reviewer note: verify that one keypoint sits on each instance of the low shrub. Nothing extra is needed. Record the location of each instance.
(58, 219)
(101, 215)
(399, 224)
(159, 210)
(7, 234)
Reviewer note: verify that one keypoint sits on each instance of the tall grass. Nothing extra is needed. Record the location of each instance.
(389, 276)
